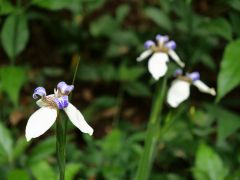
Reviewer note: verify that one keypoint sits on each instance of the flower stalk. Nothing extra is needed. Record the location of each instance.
(152, 135)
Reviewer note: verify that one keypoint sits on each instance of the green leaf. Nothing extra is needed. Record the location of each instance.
(220, 27)
(42, 150)
(235, 4)
(159, 17)
(43, 171)
(103, 26)
(122, 12)
(138, 89)
(14, 35)
(6, 142)
(17, 174)
(56, 4)
(20, 146)
(229, 76)
(72, 170)
(6, 7)
(10, 77)
(208, 165)
(130, 73)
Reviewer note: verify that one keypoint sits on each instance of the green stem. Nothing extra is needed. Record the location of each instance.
(60, 146)
(61, 135)
(152, 135)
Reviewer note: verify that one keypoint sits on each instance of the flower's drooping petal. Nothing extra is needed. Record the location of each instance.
(162, 39)
(40, 122)
(175, 57)
(149, 43)
(61, 102)
(144, 55)
(157, 65)
(204, 88)
(194, 76)
(39, 91)
(77, 119)
(178, 92)
(64, 88)
(171, 45)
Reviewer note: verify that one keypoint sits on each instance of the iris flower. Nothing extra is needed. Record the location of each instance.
(180, 88)
(157, 64)
(41, 120)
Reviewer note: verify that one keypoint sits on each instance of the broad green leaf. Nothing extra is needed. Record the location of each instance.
(235, 4)
(229, 76)
(208, 164)
(43, 171)
(130, 73)
(6, 142)
(72, 170)
(228, 122)
(42, 150)
(159, 17)
(220, 27)
(6, 7)
(56, 4)
(18, 174)
(20, 147)
(137, 89)
(103, 26)
(122, 12)
(14, 35)
(12, 79)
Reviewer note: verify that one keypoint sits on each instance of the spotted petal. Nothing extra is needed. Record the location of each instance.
(176, 58)
(144, 55)
(77, 119)
(39, 122)
(157, 65)
(204, 88)
(178, 92)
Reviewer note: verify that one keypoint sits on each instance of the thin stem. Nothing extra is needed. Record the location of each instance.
(152, 135)
(60, 146)
(61, 136)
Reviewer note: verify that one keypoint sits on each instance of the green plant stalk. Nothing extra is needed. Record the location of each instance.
(152, 135)
(60, 145)
(61, 136)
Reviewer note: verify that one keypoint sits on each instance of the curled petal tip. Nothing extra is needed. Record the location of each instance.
(64, 87)
(148, 44)
(171, 45)
(162, 39)
(39, 91)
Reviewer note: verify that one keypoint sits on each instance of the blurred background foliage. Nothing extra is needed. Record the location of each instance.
(41, 41)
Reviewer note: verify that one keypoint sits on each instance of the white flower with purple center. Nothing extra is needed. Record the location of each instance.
(41, 120)
(157, 64)
(180, 87)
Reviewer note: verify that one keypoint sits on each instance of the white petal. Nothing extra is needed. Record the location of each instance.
(176, 58)
(157, 65)
(204, 88)
(77, 119)
(178, 92)
(144, 55)
(39, 122)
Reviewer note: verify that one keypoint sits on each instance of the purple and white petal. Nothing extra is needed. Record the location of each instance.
(61, 102)
(204, 88)
(175, 57)
(148, 44)
(162, 39)
(64, 88)
(77, 119)
(157, 65)
(178, 92)
(144, 55)
(39, 122)
(39, 92)
(194, 76)
(171, 45)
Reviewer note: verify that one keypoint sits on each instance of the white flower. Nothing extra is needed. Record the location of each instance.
(180, 88)
(41, 120)
(157, 64)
